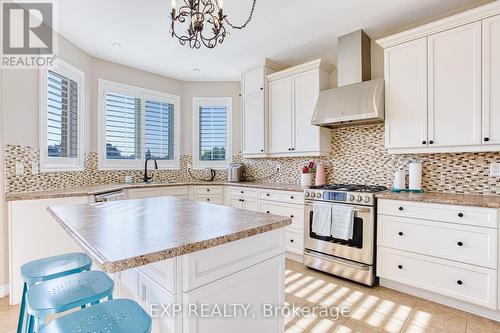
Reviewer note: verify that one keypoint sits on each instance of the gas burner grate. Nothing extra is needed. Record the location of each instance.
(351, 188)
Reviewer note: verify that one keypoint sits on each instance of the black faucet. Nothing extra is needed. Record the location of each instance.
(146, 178)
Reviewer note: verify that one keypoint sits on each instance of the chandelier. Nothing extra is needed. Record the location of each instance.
(202, 22)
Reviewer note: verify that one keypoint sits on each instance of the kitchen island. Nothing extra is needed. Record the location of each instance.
(195, 267)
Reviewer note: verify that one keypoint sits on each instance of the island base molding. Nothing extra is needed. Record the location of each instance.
(441, 299)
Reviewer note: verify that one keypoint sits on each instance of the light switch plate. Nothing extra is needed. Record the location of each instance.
(494, 169)
(19, 168)
(34, 168)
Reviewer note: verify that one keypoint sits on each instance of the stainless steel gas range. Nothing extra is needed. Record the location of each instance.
(354, 258)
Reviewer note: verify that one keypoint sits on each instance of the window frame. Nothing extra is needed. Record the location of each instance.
(60, 164)
(198, 102)
(104, 87)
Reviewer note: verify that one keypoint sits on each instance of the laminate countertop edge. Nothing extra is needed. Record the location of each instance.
(473, 200)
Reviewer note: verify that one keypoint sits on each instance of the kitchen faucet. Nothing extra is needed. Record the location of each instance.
(147, 179)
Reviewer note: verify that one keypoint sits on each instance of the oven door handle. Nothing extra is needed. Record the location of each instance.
(331, 259)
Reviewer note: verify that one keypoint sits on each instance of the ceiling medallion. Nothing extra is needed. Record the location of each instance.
(203, 21)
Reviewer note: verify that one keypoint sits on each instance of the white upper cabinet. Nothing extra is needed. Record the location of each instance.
(253, 124)
(491, 80)
(455, 87)
(293, 94)
(406, 95)
(280, 116)
(443, 85)
(252, 82)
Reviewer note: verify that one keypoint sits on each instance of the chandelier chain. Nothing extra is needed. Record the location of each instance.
(247, 21)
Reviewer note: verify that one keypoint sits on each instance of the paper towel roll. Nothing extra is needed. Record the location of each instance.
(399, 180)
(415, 171)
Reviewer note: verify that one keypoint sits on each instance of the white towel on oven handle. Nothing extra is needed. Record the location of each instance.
(342, 222)
(322, 219)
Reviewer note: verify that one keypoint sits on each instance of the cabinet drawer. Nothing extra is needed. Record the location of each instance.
(243, 192)
(163, 272)
(205, 266)
(207, 190)
(282, 196)
(464, 282)
(141, 193)
(215, 199)
(482, 217)
(180, 191)
(294, 242)
(471, 245)
(296, 212)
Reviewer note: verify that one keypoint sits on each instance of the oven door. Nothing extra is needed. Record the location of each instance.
(359, 248)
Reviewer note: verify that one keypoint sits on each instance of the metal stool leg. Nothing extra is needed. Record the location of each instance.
(22, 311)
(29, 324)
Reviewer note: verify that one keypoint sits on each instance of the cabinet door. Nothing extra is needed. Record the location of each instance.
(406, 95)
(129, 284)
(152, 297)
(236, 203)
(253, 124)
(255, 286)
(455, 87)
(144, 193)
(491, 80)
(305, 92)
(251, 204)
(252, 82)
(280, 116)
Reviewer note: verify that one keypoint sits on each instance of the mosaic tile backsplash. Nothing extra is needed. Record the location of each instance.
(358, 156)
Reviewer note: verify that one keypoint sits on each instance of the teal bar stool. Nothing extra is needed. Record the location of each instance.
(116, 316)
(66, 293)
(47, 269)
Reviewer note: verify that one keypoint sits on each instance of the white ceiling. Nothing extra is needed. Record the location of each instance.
(286, 31)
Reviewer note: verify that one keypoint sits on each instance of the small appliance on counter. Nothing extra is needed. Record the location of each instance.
(235, 172)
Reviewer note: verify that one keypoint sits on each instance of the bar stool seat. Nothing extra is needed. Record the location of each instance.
(47, 269)
(66, 293)
(53, 267)
(116, 316)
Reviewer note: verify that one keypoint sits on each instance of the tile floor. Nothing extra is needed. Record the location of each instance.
(371, 310)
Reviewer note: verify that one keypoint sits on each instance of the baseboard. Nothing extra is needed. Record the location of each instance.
(294, 256)
(4, 290)
(441, 299)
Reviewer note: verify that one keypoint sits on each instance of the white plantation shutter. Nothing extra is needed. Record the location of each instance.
(62, 116)
(123, 127)
(159, 130)
(212, 133)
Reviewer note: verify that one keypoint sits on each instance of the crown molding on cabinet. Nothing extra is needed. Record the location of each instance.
(314, 64)
(267, 64)
(451, 22)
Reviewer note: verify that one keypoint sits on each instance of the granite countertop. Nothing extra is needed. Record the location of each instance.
(97, 189)
(475, 200)
(125, 234)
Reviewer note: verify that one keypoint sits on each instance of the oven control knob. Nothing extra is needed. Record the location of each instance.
(350, 197)
(318, 195)
(366, 199)
(307, 194)
(359, 198)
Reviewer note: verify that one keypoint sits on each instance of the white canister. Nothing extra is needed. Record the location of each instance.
(415, 176)
(399, 182)
(306, 179)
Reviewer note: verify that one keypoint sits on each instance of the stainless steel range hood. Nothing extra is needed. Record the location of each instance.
(358, 100)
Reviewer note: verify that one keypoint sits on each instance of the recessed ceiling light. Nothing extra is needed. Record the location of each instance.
(116, 44)
(196, 69)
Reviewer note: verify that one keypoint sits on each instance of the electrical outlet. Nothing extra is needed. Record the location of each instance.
(34, 168)
(19, 168)
(494, 169)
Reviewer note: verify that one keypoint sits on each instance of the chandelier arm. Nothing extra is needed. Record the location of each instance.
(247, 21)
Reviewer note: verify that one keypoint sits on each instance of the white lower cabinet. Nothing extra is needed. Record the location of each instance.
(468, 283)
(249, 287)
(153, 298)
(443, 249)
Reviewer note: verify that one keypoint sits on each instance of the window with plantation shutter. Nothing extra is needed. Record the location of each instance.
(212, 117)
(60, 118)
(123, 127)
(135, 124)
(159, 130)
